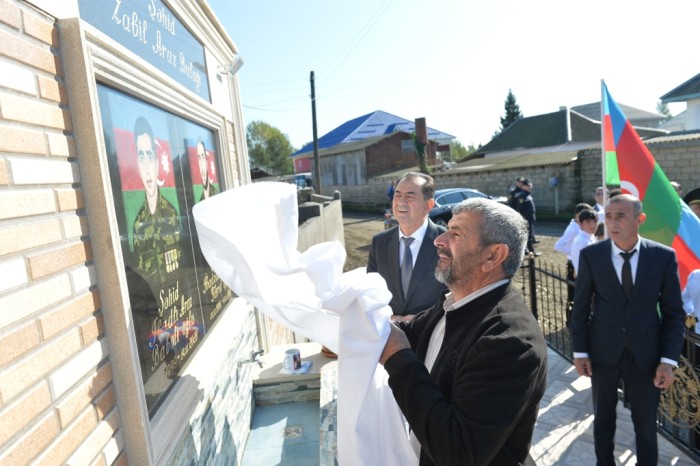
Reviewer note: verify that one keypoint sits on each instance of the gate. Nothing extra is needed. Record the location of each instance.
(546, 290)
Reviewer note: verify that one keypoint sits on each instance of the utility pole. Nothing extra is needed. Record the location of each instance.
(317, 163)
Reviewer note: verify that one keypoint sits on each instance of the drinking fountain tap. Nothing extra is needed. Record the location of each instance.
(253, 359)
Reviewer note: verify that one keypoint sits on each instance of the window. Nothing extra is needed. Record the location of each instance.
(407, 145)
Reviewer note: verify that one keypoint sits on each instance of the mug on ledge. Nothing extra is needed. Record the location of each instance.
(292, 360)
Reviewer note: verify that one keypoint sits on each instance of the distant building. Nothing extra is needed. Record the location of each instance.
(688, 92)
(638, 118)
(368, 146)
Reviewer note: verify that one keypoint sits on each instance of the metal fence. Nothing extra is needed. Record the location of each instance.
(547, 291)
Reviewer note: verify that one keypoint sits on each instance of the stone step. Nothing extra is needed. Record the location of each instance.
(270, 387)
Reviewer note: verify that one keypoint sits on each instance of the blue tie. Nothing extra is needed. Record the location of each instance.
(406, 264)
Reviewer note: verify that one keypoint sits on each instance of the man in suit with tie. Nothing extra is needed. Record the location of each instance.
(405, 256)
(627, 321)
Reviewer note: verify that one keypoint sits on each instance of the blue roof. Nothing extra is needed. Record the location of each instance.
(368, 126)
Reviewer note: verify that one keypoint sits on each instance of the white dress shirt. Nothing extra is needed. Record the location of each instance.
(417, 236)
(564, 243)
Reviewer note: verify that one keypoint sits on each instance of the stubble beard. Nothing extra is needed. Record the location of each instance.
(444, 273)
(450, 273)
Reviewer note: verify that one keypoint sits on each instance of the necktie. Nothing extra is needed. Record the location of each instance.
(406, 264)
(627, 273)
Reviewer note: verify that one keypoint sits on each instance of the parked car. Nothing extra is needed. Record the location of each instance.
(445, 199)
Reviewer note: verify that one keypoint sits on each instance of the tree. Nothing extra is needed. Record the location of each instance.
(512, 111)
(459, 152)
(662, 109)
(269, 149)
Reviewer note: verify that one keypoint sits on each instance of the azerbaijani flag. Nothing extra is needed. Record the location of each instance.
(629, 163)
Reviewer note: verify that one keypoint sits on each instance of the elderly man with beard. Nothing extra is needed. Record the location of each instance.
(469, 373)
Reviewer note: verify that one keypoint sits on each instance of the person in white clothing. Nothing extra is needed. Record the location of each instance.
(563, 245)
(588, 220)
(691, 297)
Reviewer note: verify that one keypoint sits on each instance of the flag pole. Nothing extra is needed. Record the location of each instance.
(602, 142)
(602, 150)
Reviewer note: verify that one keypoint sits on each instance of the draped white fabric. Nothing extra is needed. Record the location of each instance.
(249, 237)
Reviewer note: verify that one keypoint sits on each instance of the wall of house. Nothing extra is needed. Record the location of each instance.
(387, 156)
(344, 169)
(692, 115)
(57, 395)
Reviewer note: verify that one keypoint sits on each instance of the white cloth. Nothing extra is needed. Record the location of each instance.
(249, 237)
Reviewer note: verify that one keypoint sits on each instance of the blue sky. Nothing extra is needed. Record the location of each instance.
(453, 61)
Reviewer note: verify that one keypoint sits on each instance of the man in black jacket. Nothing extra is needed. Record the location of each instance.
(469, 373)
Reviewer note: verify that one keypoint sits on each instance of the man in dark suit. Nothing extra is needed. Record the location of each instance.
(469, 373)
(413, 199)
(627, 321)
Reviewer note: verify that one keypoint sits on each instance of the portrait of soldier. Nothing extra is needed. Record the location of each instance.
(205, 162)
(156, 230)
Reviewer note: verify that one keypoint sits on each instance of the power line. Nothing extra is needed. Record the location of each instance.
(341, 57)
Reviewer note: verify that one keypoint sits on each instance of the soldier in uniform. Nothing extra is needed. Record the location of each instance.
(156, 230)
(205, 161)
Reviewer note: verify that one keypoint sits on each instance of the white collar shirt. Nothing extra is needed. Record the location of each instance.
(618, 260)
(417, 236)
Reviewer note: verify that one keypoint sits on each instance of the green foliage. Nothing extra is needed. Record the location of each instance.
(269, 149)
(513, 112)
(420, 153)
(459, 152)
(662, 109)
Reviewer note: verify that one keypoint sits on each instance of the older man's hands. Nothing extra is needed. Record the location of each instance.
(397, 341)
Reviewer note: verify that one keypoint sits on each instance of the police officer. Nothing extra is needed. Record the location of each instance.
(515, 192)
(526, 207)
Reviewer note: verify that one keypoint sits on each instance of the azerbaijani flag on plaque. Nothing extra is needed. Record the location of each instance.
(629, 163)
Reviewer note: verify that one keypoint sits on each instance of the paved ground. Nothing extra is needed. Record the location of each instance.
(564, 430)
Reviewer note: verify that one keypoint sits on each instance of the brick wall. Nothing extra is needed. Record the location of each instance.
(387, 155)
(680, 160)
(57, 399)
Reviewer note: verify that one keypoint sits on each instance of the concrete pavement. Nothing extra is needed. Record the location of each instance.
(564, 430)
